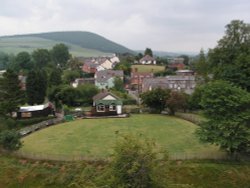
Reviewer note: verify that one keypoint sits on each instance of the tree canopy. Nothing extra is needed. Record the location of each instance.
(60, 54)
(227, 109)
(148, 51)
(230, 59)
(155, 99)
(11, 95)
(36, 86)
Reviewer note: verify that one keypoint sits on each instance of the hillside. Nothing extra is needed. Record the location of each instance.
(85, 40)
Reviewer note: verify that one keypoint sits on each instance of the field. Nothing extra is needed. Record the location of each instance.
(96, 137)
(29, 44)
(148, 68)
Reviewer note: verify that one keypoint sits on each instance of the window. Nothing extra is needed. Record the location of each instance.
(100, 108)
(112, 107)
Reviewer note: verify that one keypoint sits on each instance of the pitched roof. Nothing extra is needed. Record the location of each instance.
(102, 95)
(147, 58)
(104, 75)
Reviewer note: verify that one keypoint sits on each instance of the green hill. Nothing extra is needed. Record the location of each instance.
(76, 40)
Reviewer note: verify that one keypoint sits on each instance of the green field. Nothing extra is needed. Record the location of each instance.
(148, 68)
(29, 44)
(96, 137)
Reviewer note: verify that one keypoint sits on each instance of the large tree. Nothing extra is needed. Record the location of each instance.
(23, 61)
(230, 59)
(227, 109)
(148, 51)
(11, 95)
(176, 101)
(155, 99)
(41, 57)
(55, 77)
(60, 54)
(36, 86)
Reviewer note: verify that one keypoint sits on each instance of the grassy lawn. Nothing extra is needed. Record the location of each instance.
(96, 137)
(148, 68)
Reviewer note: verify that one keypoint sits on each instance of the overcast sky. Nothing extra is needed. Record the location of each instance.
(167, 25)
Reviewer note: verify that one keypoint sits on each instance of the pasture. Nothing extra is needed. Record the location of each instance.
(97, 137)
(149, 68)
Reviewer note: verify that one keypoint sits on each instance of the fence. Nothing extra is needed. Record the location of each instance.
(194, 118)
(27, 130)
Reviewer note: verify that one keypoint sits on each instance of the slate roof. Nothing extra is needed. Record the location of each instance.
(104, 75)
(103, 94)
(147, 58)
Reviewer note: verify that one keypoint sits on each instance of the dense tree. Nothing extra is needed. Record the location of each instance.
(195, 98)
(70, 76)
(69, 96)
(41, 57)
(148, 51)
(125, 66)
(155, 99)
(230, 59)
(11, 95)
(227, 109)
(4, 60)
(55, 77)
(86, 93)
(23, 61)
(60, 54)
(202, 68)
(36, 86)
(176, 101)
(10, 140)
(118, 84)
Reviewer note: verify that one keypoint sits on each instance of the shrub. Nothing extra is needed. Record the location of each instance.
(136, 163)
(10, 140)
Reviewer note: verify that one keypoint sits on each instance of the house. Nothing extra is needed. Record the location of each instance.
(184, 72)
(147, 60)
(105, 63)
(176, 66)
(36, 111)
(177, 83)
(91, 66)
(137, 78)
(106, 103)
(105, 79)
(82, 81)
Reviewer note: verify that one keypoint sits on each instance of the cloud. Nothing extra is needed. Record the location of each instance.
(169, 25)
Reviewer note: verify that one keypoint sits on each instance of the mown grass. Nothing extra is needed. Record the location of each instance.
(149, 68)
(97, 137)
(18, 173)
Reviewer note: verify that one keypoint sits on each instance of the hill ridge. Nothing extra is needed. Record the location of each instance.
(84, 39)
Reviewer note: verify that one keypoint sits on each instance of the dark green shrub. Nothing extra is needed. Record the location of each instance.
(10, 140)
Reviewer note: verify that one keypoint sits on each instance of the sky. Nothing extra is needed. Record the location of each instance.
(162, 25)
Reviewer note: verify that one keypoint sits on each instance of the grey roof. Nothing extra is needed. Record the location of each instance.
(147, 58)
(101, 95)
(104, 75)
(177, 77)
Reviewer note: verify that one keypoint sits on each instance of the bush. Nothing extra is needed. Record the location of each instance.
(10, 140)
(136, 164)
